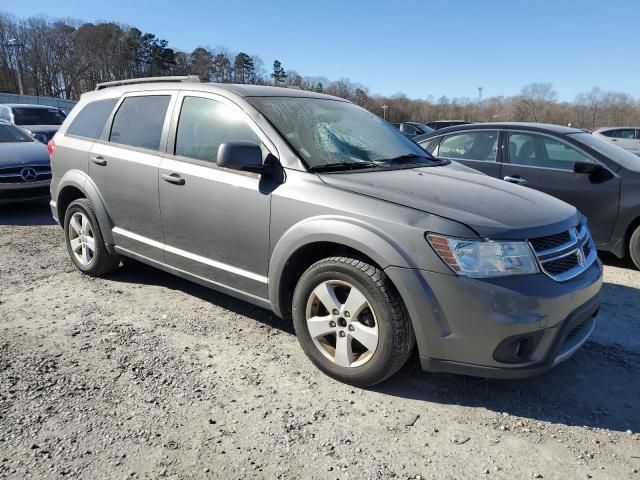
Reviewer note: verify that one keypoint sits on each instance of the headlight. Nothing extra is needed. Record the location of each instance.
(484, 258)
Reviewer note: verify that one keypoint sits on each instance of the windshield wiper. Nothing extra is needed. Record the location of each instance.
(407, 158)
(340, 166)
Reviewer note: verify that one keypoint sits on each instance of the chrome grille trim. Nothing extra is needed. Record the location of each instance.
(579, 249)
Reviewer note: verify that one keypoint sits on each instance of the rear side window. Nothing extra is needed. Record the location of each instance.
(627, 133)
(91, 119)
(206, 124)
(139, 120)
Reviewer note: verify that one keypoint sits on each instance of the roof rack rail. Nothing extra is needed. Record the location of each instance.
(175, 79)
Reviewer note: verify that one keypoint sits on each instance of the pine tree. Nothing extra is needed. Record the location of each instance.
(278, 75)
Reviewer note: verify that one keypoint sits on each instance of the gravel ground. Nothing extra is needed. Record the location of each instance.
(144, 375)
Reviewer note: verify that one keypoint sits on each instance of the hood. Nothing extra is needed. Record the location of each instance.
(23, 153)
(493, 208)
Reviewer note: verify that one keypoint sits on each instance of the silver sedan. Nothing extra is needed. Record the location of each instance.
(25, 168)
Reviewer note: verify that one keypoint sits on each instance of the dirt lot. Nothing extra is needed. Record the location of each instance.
(143, 375)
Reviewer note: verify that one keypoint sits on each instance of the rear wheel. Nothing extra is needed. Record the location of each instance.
(84, 240)
(351, 322)
(634, 247)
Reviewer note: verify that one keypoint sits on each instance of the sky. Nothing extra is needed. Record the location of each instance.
(420, 48)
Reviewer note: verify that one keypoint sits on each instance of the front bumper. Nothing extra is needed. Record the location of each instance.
(460, 322)
(24, 192)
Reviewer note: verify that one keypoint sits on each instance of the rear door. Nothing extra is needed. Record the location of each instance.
(477, 149)
(546, 163)
(124, 167)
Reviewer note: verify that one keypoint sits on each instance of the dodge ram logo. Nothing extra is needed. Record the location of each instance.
(28, 174)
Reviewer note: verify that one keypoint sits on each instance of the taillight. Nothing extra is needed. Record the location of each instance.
(51, 146)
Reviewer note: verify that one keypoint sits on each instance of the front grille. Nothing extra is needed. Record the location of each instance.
(549, 242)
(14, 174)
(566, 254)
(556, 267)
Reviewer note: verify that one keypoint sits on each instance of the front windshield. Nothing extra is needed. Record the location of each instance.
(11, 134)
(619, 155)
(38, 116)
(329, 133)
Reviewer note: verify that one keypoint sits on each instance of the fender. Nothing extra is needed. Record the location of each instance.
(336, 229)
(82, 181)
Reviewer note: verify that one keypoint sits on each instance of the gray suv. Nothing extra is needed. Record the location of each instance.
(314, 208)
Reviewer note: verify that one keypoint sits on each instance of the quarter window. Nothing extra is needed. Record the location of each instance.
(5, 114)
(139, 120)
(481, 145)
(91, 119)
(205, 124)
(541, 151)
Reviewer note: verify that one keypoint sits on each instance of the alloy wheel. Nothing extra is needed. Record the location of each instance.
(81, 238)
(342, 323)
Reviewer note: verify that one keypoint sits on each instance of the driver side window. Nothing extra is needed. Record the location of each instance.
(206, 124)
(542, 151)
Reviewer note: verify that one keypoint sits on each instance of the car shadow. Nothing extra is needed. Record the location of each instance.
(138, 273)
(612, 261)
(28, 213)
(598, 387)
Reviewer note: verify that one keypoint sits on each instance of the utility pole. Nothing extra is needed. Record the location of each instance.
(384, 111)
(13, 43)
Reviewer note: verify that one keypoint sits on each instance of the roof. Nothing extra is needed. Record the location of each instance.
(534, 127)
(29, 105)
(241, 90)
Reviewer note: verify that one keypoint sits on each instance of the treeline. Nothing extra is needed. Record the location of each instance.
(64, 58)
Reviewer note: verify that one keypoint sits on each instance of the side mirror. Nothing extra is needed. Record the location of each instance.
(586, 167)
(597, 173)
(244, 156)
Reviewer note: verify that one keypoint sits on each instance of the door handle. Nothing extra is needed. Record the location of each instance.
(516, 180)
(99, 160)
(173, 178)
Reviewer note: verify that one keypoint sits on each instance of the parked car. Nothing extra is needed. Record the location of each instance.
(412, 129)
(438, 124)
(25, 171)
(39, 120)
(600, 179)
(625, 137)
(314, 208)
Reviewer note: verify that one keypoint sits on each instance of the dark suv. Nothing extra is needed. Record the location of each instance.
(598, 178)
(322, 212)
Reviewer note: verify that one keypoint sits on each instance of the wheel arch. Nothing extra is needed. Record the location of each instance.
(311, 240)
(77, 184)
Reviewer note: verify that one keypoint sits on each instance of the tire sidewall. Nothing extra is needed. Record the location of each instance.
(634, 248)
(75, 207)
(375, 368)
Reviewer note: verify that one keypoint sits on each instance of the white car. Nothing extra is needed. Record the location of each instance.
(625, 137)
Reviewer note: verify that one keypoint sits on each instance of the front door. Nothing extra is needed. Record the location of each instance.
(547, 164)
(477, 149)
(215, 220)
(124, 167)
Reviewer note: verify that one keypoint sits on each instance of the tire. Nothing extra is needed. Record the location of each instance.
(84, 240)
(634, 247)
(328, 338)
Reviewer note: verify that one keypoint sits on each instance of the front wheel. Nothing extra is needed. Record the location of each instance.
(351, 322)
(634, 247)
